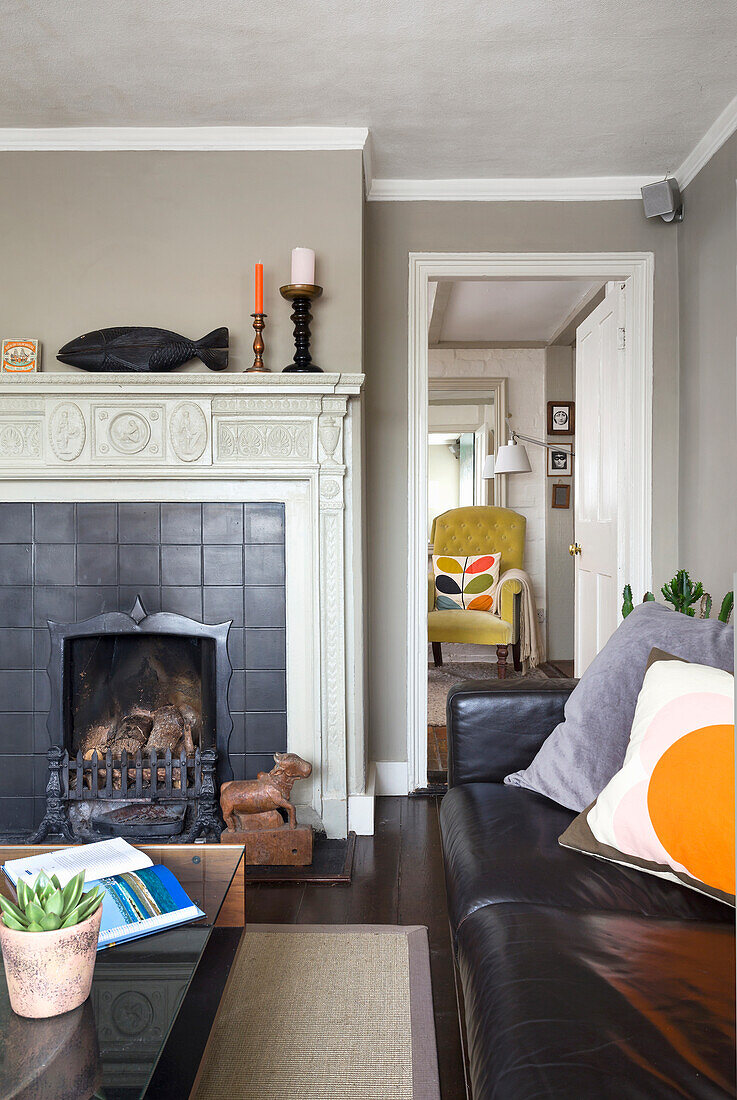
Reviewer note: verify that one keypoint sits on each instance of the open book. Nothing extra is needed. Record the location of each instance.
(140, 897)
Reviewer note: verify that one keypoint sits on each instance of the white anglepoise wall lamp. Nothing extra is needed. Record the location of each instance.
(512, 458)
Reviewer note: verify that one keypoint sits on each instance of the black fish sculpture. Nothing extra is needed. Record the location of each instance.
(146, 350)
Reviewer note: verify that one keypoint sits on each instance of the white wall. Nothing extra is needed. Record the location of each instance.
(524, 368)
(443, 481)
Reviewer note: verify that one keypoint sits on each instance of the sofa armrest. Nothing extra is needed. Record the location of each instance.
(494, 728)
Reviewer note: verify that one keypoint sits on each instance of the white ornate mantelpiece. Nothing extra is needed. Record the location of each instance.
(285, 437)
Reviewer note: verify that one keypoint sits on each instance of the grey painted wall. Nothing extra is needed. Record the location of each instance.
(707, 246)
(170, 239)
(560, 385)
(392, 230)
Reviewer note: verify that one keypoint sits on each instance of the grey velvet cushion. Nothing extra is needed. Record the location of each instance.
(587, 748)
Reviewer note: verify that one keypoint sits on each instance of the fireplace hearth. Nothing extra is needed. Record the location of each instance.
(139, 724)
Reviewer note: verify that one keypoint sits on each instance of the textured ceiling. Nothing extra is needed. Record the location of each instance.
(513, 310)
(473, 88)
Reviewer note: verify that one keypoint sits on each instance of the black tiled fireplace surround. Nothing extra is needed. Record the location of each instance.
(67, 562)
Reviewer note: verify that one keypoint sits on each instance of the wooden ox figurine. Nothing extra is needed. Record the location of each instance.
(266, 793)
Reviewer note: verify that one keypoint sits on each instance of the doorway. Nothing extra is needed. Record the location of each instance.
(634, 383)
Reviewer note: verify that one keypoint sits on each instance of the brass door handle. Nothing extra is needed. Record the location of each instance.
(574, 549)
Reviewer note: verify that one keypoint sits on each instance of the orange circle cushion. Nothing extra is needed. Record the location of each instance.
(690, 800)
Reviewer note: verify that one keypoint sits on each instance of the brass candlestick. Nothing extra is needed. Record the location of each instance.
(259, 323)
(300, 295)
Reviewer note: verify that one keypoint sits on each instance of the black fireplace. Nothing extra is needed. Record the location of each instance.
(67, 562)
(119, 678)
(138, 724)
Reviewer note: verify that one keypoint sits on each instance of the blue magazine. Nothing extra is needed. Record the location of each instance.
(139, 903)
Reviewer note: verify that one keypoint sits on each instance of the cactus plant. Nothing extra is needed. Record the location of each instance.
(682, 593)
(725, 611)
(47, 906)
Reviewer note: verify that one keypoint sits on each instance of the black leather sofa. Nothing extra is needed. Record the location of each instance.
(580, 978)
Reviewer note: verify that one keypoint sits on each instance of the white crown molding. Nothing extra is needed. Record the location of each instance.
(583, 189)
(324, 138)
(712, 141)
(368, 165)
(261, 138)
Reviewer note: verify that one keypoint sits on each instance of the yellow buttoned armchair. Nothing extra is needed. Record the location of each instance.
(480, 529)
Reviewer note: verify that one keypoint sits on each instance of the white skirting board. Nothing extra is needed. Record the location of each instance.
(392, 777)
(361, 807)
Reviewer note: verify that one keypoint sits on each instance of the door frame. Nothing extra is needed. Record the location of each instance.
(635, 457)
(477, 391)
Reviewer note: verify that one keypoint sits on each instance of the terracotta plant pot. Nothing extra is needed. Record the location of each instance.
(50, 972)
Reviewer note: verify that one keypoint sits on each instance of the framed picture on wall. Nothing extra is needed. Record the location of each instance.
(561, 417)
(560, 461)
(561, 496)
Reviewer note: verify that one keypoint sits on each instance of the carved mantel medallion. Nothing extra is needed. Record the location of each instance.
(67, 431)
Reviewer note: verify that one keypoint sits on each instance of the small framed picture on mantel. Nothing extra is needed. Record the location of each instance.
(561, 417)
(19, 357)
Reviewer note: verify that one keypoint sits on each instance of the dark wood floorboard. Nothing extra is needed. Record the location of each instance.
(563, 668)
(397, 879)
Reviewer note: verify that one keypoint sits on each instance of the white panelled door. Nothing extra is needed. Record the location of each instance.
(600, 365)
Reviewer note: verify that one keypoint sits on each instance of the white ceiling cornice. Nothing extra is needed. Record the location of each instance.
(106, 138)
(322, 138)
(576, 189)
(712, 141)
(582, 189)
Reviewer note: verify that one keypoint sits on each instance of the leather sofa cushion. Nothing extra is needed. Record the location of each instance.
(495, 726)
(501, 845)
(597, 1005)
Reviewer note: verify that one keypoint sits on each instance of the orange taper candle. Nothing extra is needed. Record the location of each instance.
(259, 281)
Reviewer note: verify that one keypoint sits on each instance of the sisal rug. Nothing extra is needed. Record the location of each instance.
(441, 680)
(324, 1012)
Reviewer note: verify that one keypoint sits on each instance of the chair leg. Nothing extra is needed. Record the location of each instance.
(501, 661)
(437, 654)
(517, 656)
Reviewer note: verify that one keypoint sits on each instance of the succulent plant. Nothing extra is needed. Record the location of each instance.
(46, 905)
(683, 593)
(628, 602)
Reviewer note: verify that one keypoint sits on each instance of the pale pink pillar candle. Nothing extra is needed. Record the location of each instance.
(303, 266)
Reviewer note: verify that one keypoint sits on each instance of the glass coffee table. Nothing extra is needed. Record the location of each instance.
(143, 1029)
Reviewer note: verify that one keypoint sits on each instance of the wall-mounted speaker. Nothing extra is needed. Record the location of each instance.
(663, 200)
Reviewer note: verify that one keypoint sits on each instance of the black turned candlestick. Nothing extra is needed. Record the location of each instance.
(300, 295)
(259, 323)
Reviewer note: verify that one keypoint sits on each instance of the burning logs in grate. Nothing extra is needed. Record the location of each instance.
(167, 727)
